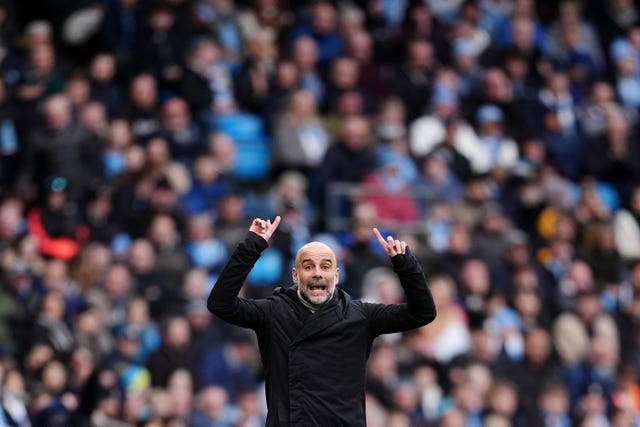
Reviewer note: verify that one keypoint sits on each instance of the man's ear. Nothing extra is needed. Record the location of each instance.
(337, 276)
(294, 275)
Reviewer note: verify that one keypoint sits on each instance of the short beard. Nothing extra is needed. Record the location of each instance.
(307, 300)
(313, 303)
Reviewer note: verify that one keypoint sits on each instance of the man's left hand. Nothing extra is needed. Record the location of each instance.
(391, 246)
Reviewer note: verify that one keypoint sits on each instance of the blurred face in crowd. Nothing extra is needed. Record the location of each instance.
(162, 229)
(453, 418)
(142, 256)
(538, 346)
(158, 153)
(53, 304)
(206, 169)
(138, 312)
(180, 389)
(161, 19)
(10, 218)
(559, 83)
(14, 383)
(262, 45)
(527, 303)
(496, 85)
(324, 18)
(103, 68)
(475, 277)
(305, 53)
(354, 132)
(588, 306)
(421, 54)
(117, 281)
(54, 376)
(316, 272)
(345, 73)
(200, 228)
(212, 401)
(360, 46)
(78, 90)
(459, 240)
(617, 128)
(602, 94)
(303, 104)
(93, 116)
(144, 92)
(349, 102)
(231, 208)
(503, 399)
(287, 75)
(119, 134)
(205, 54)
(175, 114)
(177, 332)
(523, 32)
(42, 58)
(87, 323)
(554, 401)
(163, 198)
(57, 113)
(56, 276)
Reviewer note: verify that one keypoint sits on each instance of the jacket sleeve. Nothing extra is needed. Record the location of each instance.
(223, 300)
(419, 309)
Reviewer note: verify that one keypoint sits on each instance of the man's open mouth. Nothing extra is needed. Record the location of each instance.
(317, 287)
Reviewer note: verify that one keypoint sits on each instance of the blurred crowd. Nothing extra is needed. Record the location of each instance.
(138, 138)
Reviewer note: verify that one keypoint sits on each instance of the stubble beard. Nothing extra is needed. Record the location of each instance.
(316, 301)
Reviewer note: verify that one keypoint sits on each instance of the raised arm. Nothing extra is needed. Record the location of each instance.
(420, 308)
(223, 299)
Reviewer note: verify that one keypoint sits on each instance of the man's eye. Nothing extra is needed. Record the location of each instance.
(326, 267)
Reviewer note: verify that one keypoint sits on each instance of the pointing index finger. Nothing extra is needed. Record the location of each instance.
(276, 222)
(379, 237)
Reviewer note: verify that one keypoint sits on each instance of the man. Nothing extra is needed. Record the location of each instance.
(314, 339)
(60, 147)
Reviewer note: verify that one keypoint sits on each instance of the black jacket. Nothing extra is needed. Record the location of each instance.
(315, 363)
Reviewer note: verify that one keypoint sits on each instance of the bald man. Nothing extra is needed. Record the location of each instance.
(314, 339)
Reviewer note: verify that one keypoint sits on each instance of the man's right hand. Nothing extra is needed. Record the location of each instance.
(264, 228)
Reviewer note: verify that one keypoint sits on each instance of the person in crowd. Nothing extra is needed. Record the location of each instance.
(174, 352)
(414, 77)
(300, 138)
(59, 147)
(141, 107)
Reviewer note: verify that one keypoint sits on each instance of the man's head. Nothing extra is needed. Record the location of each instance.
(57, 112)
(316, 272)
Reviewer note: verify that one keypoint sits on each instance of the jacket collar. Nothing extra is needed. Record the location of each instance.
(328, 314)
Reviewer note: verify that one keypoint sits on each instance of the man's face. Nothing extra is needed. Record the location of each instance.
(316, 273)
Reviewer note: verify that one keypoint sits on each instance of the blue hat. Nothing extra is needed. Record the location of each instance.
(463, 46)
(489, 113)
(622, 50)
(120, 243)
(443, 94)
(55, 183)
(388, 158)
